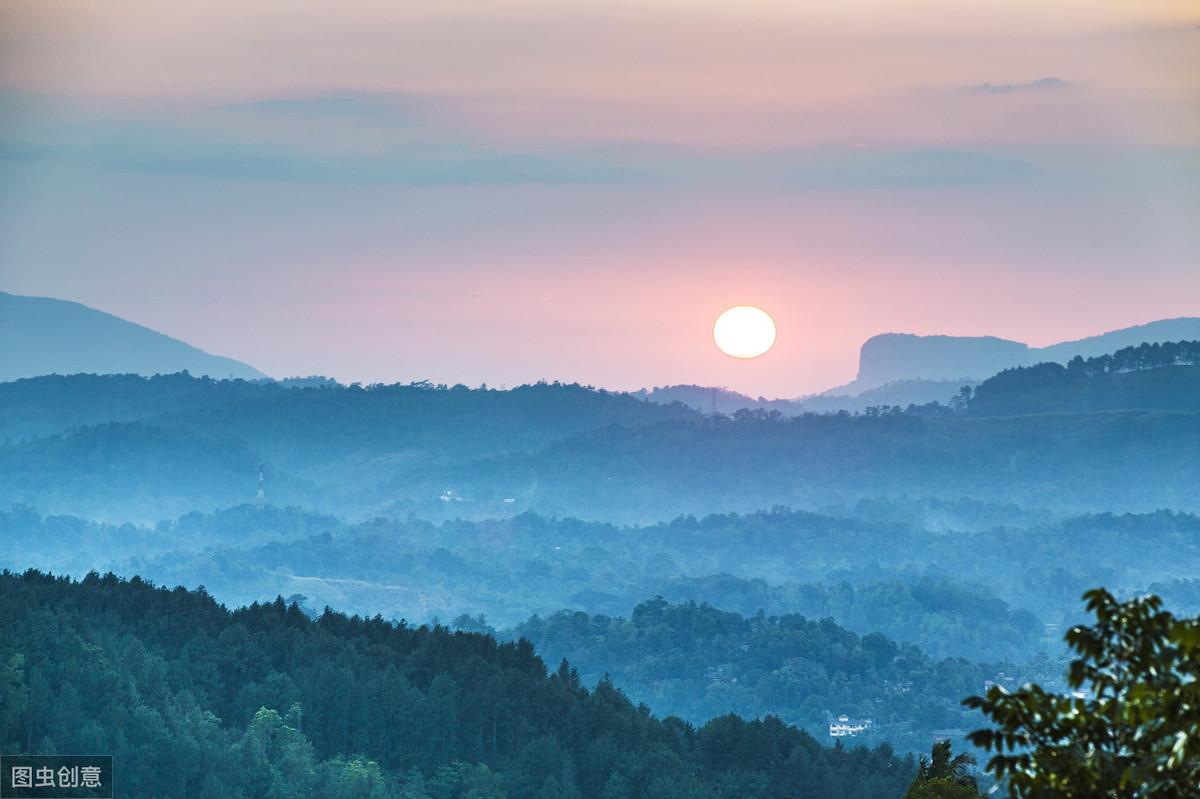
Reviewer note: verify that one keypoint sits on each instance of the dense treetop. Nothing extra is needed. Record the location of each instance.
(1160, 376)
(194, 700)
(287, 418)
(689, 659)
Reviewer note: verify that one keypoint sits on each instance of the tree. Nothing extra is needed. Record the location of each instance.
(276, 759)
(356, 778)
(617, 787)
(943, 788)
(14, 700)
(944, 775)
(414, 785)
(1131, 727)
(962, 400)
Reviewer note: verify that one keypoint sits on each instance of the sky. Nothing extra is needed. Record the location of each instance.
(487, 192)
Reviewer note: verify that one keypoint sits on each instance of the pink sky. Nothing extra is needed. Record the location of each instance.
(505, 192)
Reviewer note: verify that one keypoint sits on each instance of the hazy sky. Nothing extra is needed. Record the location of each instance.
(503, 192)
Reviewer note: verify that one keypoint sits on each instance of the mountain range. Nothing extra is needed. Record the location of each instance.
(40, 335)
(893, 357)
(794, 570)
(903, 369)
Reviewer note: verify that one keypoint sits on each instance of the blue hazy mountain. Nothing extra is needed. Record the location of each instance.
(892, 357)
(895, 357)
(901, 393)
(1184, 328)
(40, 335)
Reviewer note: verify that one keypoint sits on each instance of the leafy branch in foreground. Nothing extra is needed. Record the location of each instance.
(1129, 729)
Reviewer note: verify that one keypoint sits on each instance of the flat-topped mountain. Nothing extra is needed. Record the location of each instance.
(893, 357)
(40, 335)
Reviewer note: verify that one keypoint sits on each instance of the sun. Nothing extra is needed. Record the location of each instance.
(744, 331)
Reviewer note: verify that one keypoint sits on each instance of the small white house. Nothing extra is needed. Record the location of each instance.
(845, 728)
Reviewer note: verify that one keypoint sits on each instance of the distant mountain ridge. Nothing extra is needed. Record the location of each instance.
(902, 369)
(1105, 439)
(901, 393)
(43, 336)
(892, 357)
(40, 335)
(1164, 377)
(1183, 328)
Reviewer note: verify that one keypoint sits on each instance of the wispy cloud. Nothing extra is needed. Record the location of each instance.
(401, 139)
(244, 142)
(1040, 85)
(915, 168)
(239, 160)
(405, 110)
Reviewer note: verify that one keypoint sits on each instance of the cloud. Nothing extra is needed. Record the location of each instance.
(1040, 85)
(402, 110)
(335, 103)
(254, 161)
(399, 139)
(308, 139)
(908, 168)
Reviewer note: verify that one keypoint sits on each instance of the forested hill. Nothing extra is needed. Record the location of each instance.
(1146, 377)
(940, 589)
(126, 448)
(193, 700)
(300, 421)
(690, 658)
(1125, 461)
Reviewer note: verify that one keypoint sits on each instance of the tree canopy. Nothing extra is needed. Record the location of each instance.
(194, 700)
(1129, 729)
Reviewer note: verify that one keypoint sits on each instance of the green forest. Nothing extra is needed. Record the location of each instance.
(199, 701)
(687, 659)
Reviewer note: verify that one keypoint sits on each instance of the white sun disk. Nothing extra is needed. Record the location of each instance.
(744, 331)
